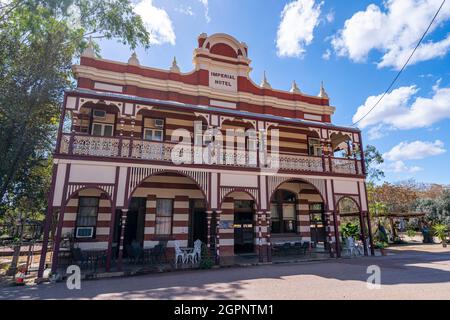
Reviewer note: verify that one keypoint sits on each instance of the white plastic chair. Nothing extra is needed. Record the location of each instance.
(195, 255)
(351, 246)
(179, 253)
(360, 248)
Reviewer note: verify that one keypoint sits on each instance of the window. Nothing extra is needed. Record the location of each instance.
(102, 129)
(153, 135)
(87, 217)
(164, 209)
(99, 114)
(314, 147)
(153, 129)
(283, 212)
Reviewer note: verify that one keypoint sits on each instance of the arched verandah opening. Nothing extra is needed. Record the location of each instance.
(352, 224)
(298, 218)
(238, 226)
(163, 208)
(84, 223)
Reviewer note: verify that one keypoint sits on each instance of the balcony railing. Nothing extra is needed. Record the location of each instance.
(95, 146)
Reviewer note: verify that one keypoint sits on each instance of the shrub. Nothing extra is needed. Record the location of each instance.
(206, 262)
(411, 233)
(441, 232)
(350, 230)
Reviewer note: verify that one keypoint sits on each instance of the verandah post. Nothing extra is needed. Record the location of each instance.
(363, 231)
(218, 213)
(208, 219)
(268, 236)
(121, 238)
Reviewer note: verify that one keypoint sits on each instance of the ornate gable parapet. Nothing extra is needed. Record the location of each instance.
(221, 78)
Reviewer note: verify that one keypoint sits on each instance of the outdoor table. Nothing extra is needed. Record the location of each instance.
(186, 251)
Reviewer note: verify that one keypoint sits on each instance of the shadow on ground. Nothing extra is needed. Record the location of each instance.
(405, 266)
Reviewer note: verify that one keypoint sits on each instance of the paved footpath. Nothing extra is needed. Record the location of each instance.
(413, 272)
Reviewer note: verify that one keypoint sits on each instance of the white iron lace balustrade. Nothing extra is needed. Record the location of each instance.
(95, 146)
(156, 151)
(300, 163)
(346, 166)
(65, 142)
(125, 150)
(125, 147)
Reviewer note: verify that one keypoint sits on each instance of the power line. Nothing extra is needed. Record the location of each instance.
(403, 68)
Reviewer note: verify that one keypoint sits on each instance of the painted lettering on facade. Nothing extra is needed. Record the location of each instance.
(223, 80)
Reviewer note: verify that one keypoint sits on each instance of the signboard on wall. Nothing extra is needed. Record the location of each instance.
(223, 224)
(223, 79)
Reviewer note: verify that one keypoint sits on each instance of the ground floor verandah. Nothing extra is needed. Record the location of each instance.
(172, 210)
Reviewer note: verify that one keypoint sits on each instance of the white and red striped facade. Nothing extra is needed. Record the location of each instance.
(123, 164)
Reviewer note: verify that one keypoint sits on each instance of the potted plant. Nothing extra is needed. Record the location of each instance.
(441, 232)
(350, 230)
(381, 245)
(411, 233)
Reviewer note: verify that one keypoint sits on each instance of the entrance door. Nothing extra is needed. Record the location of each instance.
(243, 227)
(317, 218)
(134, 228)
(199, 222)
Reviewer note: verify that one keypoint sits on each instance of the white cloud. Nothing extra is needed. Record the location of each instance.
(205, 3)
(326, 55)
(185, 10)
(377, 132)
(330, 17)
(401, 167)
(394, 32)
(403, 109)
(415, 150)
(296, 30)
(157, 22)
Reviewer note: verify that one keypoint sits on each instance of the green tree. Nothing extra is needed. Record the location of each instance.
(437, 210)
(373, 160)
(39, 40)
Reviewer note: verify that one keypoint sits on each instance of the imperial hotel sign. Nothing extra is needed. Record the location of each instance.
(114, 183)
(223, 80)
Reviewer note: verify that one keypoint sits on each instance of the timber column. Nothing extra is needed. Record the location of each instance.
(121, 238)
(268, 236)
(208, 219)
(218, 213)
(260, 245)
(330, 231)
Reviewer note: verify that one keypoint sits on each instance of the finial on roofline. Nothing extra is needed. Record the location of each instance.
(264, 83)
(294, 88)
(323, 93)
(89, 51)
(134, 59)
(175, 67)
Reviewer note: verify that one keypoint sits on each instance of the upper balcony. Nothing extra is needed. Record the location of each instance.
(82, 145)
(100, 129)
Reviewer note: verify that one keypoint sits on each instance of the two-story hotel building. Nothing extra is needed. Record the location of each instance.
(115, 181)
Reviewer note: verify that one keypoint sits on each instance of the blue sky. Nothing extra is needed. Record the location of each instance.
(355, 49)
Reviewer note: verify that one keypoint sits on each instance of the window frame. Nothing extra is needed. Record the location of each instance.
(77, 225)
(316, 146)
(279, 203)
(98, 117)
(154, 128)
(153, 131)
(164, 235)
(103, 125)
